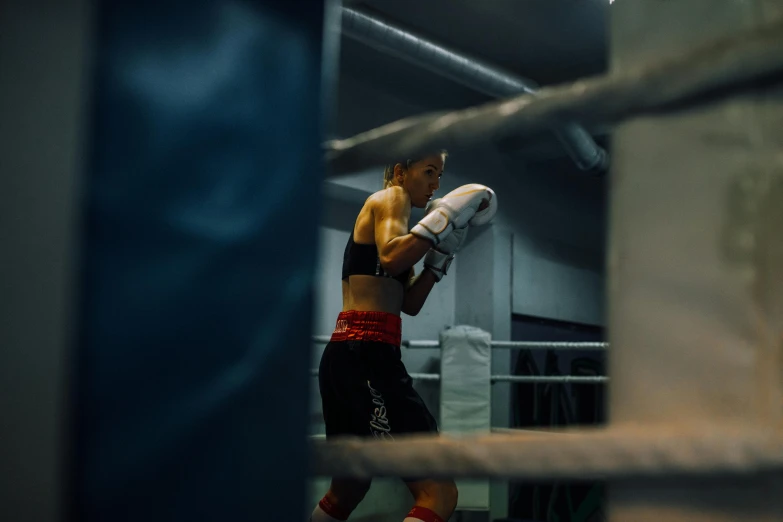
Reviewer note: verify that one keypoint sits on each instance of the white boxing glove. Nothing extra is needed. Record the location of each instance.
(438, 259)
(456, 210)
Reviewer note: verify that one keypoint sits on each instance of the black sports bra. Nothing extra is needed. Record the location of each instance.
(361, 259)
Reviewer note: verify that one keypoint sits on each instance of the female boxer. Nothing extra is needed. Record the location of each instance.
(365, 389)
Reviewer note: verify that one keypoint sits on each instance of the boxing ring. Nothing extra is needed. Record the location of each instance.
(149, 328)
(695, 277)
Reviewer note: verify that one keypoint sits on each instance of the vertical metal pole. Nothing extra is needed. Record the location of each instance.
(483, 300)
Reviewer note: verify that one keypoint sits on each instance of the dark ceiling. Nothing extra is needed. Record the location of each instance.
(547, 41)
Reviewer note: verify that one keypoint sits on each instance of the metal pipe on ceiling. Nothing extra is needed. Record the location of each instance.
(472, 73)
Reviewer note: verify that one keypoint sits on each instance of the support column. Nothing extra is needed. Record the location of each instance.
(696, 264)
(483, 299)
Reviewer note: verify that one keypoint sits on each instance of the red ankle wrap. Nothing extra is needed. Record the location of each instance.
(332, 510)
(427, 515)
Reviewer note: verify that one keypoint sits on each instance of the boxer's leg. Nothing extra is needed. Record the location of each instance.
(434, 500)
(340, 501)
(340, 379)
(406, 412)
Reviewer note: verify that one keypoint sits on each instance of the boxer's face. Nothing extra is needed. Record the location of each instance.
(422, 178)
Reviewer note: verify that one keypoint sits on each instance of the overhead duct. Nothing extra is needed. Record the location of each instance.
(482, 77)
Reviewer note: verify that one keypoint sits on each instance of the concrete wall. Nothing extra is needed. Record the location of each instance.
(558, 224)
(546, 285)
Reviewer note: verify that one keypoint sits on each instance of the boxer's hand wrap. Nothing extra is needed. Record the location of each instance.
(438, 259)
(438, 263)
(456, 210)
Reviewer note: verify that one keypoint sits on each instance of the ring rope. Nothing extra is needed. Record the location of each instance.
(695, 76)
(555, 345)
(564, 379)
(323, 339)
(615, 452)
(414, 376)
(518, 379)
(505, 431)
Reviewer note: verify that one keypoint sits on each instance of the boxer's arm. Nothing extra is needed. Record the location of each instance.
(398, 250)
(416, 292)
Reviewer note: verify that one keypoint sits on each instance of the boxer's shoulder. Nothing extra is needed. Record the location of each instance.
(392, 200)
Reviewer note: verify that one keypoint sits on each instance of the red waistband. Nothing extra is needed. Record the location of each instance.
(354, 325)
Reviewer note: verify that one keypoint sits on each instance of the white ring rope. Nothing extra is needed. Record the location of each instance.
(554, 345)
(518, 379)
(564, 379)
(323, 339)
(414, 376)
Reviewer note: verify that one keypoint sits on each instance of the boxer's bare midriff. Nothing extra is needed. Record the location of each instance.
(373, 294)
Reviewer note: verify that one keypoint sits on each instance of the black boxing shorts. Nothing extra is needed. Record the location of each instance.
(365, 389)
